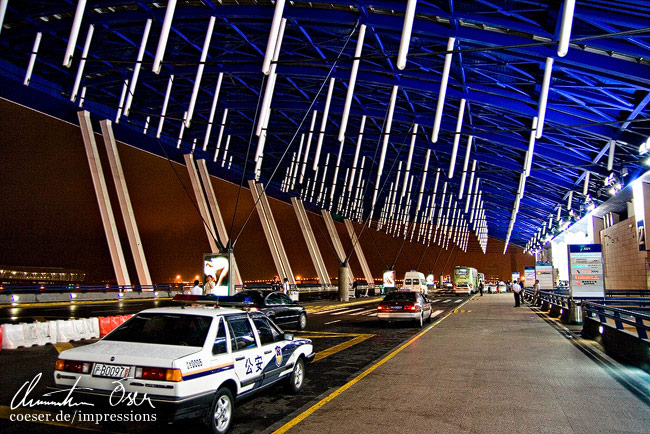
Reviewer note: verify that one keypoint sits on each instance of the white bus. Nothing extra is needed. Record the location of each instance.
(465, 280)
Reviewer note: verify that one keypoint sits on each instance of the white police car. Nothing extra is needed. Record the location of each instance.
(185, 362)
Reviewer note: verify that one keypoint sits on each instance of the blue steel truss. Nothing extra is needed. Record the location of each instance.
(598, 92)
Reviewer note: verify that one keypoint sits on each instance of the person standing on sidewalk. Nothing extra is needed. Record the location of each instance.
(516, 289)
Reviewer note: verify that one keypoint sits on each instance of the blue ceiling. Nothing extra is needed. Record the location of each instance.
(599, 93)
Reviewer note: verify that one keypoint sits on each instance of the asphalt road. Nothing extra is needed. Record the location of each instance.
(347, 339)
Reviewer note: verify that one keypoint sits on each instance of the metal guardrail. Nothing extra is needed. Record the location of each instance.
(52, 289)
(640, 321)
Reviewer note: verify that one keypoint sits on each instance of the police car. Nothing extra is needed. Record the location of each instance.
(186, 362)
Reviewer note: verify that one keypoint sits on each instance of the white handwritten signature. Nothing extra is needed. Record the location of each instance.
(118, 396)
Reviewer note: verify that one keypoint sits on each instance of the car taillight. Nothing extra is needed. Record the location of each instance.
(160, 374)
(412, 307)
(253, 309)
(72, 366)
(380, 307)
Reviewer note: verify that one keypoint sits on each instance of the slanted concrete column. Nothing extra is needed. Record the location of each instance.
(271, 232)
(359, 251)
(310, 240)
(336, 241)
(202, 205)
(105, 209)
(125, 205)
(216, 214)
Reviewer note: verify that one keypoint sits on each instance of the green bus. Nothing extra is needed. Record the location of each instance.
(465, 280)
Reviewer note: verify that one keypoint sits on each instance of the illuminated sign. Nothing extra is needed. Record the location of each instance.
(529, 277)
(544, 273)
(586, 273)
(516, 275)
(389, 279)
(430, 279)
(217, 265)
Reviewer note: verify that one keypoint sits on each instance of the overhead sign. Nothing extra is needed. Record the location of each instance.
(586, 271)
(544, 273)
(515, 276)
(218, 266)
(529, 277)
(389, 279)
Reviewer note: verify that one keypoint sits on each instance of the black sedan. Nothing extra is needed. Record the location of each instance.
(275, 305)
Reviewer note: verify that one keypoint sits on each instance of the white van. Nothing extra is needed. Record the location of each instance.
(414, 281)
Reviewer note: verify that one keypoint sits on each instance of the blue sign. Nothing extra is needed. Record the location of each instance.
(578, 248)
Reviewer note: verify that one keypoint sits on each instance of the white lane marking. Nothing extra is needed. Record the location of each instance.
(373, 314)
(458, 301)
(436, 313)
(328, 311)
(332, 322)
(365, 312)
(348, 311)
(447, 301)
(435, 301)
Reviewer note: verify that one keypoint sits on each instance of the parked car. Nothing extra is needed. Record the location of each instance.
(190, 362)
(276, 305)
(404, 306)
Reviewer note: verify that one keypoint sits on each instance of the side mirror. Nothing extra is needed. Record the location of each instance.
(288, 336)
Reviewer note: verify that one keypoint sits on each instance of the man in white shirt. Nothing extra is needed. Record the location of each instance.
(285, 286)
(196, 289)
(516, 289)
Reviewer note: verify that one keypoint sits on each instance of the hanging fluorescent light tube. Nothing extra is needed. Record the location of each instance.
(163, 112)
(82, 97)
(146, 125)
(424, 180)
(74, 32)
(223, 126)
(531, 146)
(82, 63)
(295, 169)
(465, 165)
(164, 36)
(352, 82)
(471, 184)
(570, 199)
(120, 106)
(443, 90)
(389, 123)
(409, 159)
(459, 125)
(32, 58)
(213, 109)
(3, 11)
(273, 36)
(610, 159)
(136, 69)
(356, 152)
(263, 120)
(225, 153)
(199, 72)
(181, 132)
(309, 137)
(323, 124)
(543, 97)
(565, 28)
(409, 15)
(585, 188)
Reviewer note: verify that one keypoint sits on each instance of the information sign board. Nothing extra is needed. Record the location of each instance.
(586, 275)
(544, 273)
(529, 277)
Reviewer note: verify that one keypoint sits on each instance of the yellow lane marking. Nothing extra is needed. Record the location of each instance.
(302, 416)
(345, 304)
(461, 311)
(81, 302)
(44, 417)
(340, 347)
(62, 346)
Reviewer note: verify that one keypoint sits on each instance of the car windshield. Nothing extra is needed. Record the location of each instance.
(400, 296)
(164, 329)
(248, 297)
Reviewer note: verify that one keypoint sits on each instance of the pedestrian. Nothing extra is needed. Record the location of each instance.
(196, 289)
(536, 298)
(516, 289)
(285, 286)
(480, 288)
(275, 284)
(209, 286)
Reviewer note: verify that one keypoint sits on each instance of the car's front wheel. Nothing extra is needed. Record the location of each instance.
(297, 377)
(302, 321)
(221, 412)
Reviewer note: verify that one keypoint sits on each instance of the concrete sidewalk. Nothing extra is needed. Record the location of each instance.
(490, 368)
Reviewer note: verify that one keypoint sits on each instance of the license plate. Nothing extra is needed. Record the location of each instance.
(111, 371)
(396, 307)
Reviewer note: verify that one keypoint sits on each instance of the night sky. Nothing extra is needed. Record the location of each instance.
(49, 215)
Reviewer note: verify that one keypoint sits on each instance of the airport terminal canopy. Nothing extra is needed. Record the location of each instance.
(546, 102)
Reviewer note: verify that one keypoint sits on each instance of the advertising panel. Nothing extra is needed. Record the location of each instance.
(529, 277)
(430, 279)
(217, 265)
(544, 273)
(586, 275)
(516, 275)
(389, 279)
